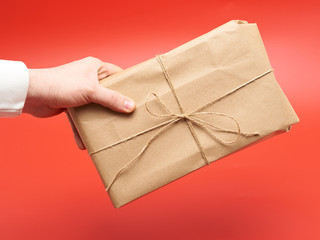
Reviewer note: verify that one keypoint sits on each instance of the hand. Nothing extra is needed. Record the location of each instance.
(52, 90)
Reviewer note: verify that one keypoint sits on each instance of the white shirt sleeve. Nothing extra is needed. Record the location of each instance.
(14, 84)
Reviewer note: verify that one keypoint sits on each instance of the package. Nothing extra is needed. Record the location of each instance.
(194, 105)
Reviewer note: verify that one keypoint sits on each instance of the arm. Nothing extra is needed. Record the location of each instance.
(52, 90)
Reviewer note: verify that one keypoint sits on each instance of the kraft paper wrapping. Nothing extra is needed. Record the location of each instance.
(200, 70)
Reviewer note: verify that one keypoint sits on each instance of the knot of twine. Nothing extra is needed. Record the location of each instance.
(189, 117)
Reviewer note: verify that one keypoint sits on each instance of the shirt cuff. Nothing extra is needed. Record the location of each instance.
(14, 84)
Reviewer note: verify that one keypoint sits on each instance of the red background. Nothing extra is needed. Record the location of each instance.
(50, 190)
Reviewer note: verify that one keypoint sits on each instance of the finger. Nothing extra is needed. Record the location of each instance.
(112, 99)
(107, 69)
(75, 133)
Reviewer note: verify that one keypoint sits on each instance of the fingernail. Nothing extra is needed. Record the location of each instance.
(129, 105)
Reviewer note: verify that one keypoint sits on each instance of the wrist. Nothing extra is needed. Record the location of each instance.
(32, 76)
(34, 93)
(38, 85)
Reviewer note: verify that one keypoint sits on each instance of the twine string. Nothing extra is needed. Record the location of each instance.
(190, 118)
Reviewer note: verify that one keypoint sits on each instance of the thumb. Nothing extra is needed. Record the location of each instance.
(113, 100)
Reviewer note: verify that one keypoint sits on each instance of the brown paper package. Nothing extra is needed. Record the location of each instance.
(201, 70)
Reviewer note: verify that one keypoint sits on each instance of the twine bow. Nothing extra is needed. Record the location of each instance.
(190, 118)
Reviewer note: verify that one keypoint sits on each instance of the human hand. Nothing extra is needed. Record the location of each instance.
(52, 90)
